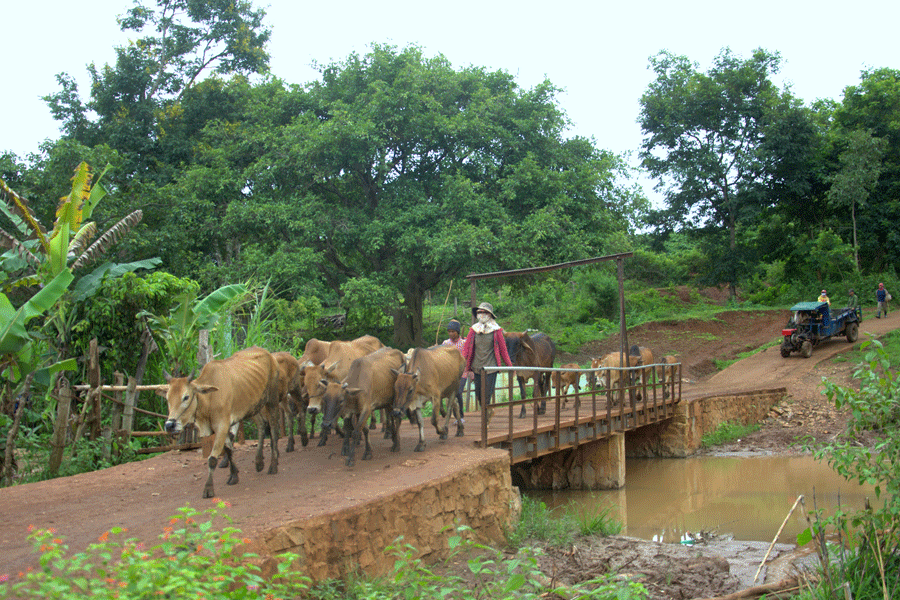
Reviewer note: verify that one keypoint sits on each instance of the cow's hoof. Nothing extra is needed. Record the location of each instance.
(223, 462)
(395, 448)
(290, 447)
(460, 431)
(443, 435)
(419, 447)
(260, 465)
(208, 493)
(233, 480)
(387, 434)
(367, 456)
(542, 410)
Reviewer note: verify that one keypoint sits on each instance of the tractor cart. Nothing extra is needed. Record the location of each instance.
(813, 322)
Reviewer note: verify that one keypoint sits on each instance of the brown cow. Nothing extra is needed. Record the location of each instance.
(667, 374)
(369, 386)
(430, 375)
(226, 392)
(289, 388)
(646, 355)
(532, 351)
(335, 367)
(314, 353)
(613, 362)
(563, 380)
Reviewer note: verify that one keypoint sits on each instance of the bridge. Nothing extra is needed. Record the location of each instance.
(583, 417)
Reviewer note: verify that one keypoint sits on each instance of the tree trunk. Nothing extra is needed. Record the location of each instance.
(8, 466)
(61, 427)
(408, 319)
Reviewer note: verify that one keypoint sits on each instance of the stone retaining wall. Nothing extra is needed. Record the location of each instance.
(480, 496)
(682, 435)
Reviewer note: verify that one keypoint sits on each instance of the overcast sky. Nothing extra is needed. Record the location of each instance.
(596, 51)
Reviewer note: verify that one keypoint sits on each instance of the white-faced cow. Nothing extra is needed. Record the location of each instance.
(226, 392)
(317, 377)
(430, 375)
(369, 386)
(532, 351)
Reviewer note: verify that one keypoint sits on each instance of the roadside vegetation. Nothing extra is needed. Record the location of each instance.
(728, 432)
(859, 547)
(200, 555)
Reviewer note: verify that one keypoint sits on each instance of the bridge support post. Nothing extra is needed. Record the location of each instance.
(598, 465)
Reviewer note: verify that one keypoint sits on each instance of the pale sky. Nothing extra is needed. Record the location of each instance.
(596, 51)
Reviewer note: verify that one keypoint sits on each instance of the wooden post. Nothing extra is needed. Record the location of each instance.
(61, 427)
(130, 402)
(95, 382)
(116, 412)
(474, 301)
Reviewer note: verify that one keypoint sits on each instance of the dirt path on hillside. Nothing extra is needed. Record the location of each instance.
(143, 496)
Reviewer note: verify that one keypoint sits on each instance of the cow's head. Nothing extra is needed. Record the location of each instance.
(333, 400)
(404, 390)
(314, 383)
(182, 400)
(519, 347)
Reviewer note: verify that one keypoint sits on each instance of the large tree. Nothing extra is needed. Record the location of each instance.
(718, 144)
(873, 107)
(405, 172)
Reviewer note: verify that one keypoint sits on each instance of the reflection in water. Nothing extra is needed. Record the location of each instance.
(744, 497)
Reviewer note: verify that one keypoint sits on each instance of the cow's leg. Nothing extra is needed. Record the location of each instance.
(420, 421)
(274, 428)
(301, 423)
(394, 425)
(544, 386)
(523, 395)
(288, 416)
(261, 425)
(361, 421)
(323, 435)
(225, 459)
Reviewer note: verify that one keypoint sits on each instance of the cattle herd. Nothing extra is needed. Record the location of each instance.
(349, 382)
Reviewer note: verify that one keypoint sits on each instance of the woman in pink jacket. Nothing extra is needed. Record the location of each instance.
(485, 347)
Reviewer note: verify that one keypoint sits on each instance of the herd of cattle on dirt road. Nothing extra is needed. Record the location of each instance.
(352, 381)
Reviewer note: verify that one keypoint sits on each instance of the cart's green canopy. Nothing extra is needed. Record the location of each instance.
(809, 306)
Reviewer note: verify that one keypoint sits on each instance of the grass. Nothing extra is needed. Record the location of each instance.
(537, 523)
(728, 432)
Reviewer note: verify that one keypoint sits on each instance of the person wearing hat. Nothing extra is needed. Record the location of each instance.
(881, 296)
(823, 297)
(485, 347)
(453, 328)
(853, 300)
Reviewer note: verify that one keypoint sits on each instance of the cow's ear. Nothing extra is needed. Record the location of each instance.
(395, 371)
(204, 388)
(306, 363)
(353, 391)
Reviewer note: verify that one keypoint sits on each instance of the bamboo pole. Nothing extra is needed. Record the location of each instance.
(780, 529)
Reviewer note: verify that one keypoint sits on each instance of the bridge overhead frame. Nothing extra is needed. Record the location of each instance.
(588, 416)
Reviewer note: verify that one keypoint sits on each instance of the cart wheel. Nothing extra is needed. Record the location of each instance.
(785, 351)
(806, 349)
(852, 332)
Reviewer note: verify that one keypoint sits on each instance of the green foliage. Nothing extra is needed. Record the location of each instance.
(115, 318)
(177, 333)
(537, 523)
(194, 558)
(201, 555)
(602, 522)
(728, 432)
(366, 303)
(872, 532)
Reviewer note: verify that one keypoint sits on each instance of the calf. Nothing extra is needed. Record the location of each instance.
(563, 380)
(369, 386)
(226, 392)
(532, 351)
(430, 374)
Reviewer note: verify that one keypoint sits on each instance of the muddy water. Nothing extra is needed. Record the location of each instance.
(744, 497)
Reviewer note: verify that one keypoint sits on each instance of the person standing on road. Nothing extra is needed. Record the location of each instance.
(485, 347)
(882, 297)
(453, 339)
